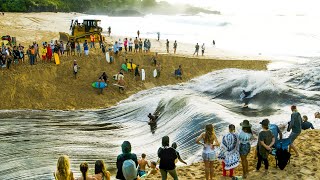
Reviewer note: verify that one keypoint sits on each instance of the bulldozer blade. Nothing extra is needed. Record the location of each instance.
(64, 36)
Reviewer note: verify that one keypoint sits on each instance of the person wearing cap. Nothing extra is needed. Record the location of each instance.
(245, 135)
(265, 143)
(229, 153)
(295, 126)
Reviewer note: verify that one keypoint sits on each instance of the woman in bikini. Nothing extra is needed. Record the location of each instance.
(210, 142)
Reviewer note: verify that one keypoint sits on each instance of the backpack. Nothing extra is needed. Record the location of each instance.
(282, 157)
(274, 130)
(129, 169)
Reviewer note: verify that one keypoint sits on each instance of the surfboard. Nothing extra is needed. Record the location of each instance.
(124, 67)
(107, 57)
(56, 58)
(155, 73)
(118, 85)
(133, 66)
(143, 75)
(102, 85)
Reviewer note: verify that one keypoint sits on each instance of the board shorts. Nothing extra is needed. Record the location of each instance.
(136, 46)
(293, 136)
(120, 48)
(244, 149)
(86, 52)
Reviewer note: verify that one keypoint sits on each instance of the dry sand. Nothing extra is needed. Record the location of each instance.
(304, 167)
(47, 86)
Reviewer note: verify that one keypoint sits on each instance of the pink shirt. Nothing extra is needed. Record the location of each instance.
(125, 42)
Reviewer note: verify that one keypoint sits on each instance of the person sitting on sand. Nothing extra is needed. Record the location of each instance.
(84, 172)
(317, 115)
(265, 142)
(295, 126)
(174, 146)
(210, 141)
(245, 136)
(178, 72)
(229, 154)
(126, 155)
(306, 124)
(154, 169)
(142, 165)
(63, 169)
(167, 157)
(100, 171)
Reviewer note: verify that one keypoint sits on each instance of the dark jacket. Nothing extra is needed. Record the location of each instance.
(120, 159)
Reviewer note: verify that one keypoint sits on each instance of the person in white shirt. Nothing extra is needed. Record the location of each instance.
(203, 48)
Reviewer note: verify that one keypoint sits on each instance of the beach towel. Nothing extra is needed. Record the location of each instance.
(229, 151)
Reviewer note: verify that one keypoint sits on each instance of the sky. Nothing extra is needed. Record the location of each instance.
(279, 7)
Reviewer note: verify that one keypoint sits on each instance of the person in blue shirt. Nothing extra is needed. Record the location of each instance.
(305, 124)
(115, 48)
(86, 48)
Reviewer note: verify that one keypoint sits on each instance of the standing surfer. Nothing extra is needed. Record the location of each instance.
(245, 97)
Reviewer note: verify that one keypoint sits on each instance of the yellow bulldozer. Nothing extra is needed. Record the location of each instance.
(81, 28)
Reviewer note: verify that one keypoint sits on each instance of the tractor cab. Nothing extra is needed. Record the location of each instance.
(81, 28)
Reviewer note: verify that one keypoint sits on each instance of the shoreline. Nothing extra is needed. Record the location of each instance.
(47, 86)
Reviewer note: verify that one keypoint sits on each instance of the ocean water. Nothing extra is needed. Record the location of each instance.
(31, 141)
(275, 35)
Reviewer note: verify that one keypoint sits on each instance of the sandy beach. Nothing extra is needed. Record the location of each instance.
(47, 86)
(304, 167)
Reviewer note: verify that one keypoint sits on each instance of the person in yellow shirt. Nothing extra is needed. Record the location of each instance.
(44, 52)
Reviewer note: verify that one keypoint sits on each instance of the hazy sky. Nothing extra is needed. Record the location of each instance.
(293, 7)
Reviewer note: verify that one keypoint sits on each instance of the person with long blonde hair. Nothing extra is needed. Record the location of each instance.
(100, 171)
(209, 143)
(63, 169)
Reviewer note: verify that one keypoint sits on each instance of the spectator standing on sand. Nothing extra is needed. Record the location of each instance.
(86, 48)
(68, 48)
(149, 45)
(145, 46)
(213, 42)
(125, 43)
(115, 48)
(130, 45)
(209, 143)
(306, 124)
(245, 136)
(158, 69)
(78, 47)
(167, 157)
(120, 46)
(138, 33)
(202, 49)
(265, 142)
(49, 53)
(196, 49)
(126, 155)
(109, 31)
(136, 72)
(140, 45)
(295, 126)
(75, 68)
(142, 165)
(44, 52)
(61, 48)
(63, 169)
(92, 39)
(158, 33)
(136, 45)
(167, 45)
(175, 45)
(32, 55)
(229, 152)
(73, 47)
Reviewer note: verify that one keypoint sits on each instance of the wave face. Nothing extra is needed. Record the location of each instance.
(32, 141)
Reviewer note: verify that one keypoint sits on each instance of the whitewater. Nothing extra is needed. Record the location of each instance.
(32, 140)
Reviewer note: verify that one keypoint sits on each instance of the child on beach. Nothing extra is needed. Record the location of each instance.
(174, 146)
(142, 165)
(75, 68)
(84, 172)
(229, 152)
(265, 143)
(154, 169)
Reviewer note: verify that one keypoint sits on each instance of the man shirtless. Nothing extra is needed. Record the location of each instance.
(142, 165)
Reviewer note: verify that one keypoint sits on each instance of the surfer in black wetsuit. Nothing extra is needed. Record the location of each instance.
(245, 97)
(152, 119)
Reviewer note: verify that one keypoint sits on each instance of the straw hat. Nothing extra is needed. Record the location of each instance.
(245, 123)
